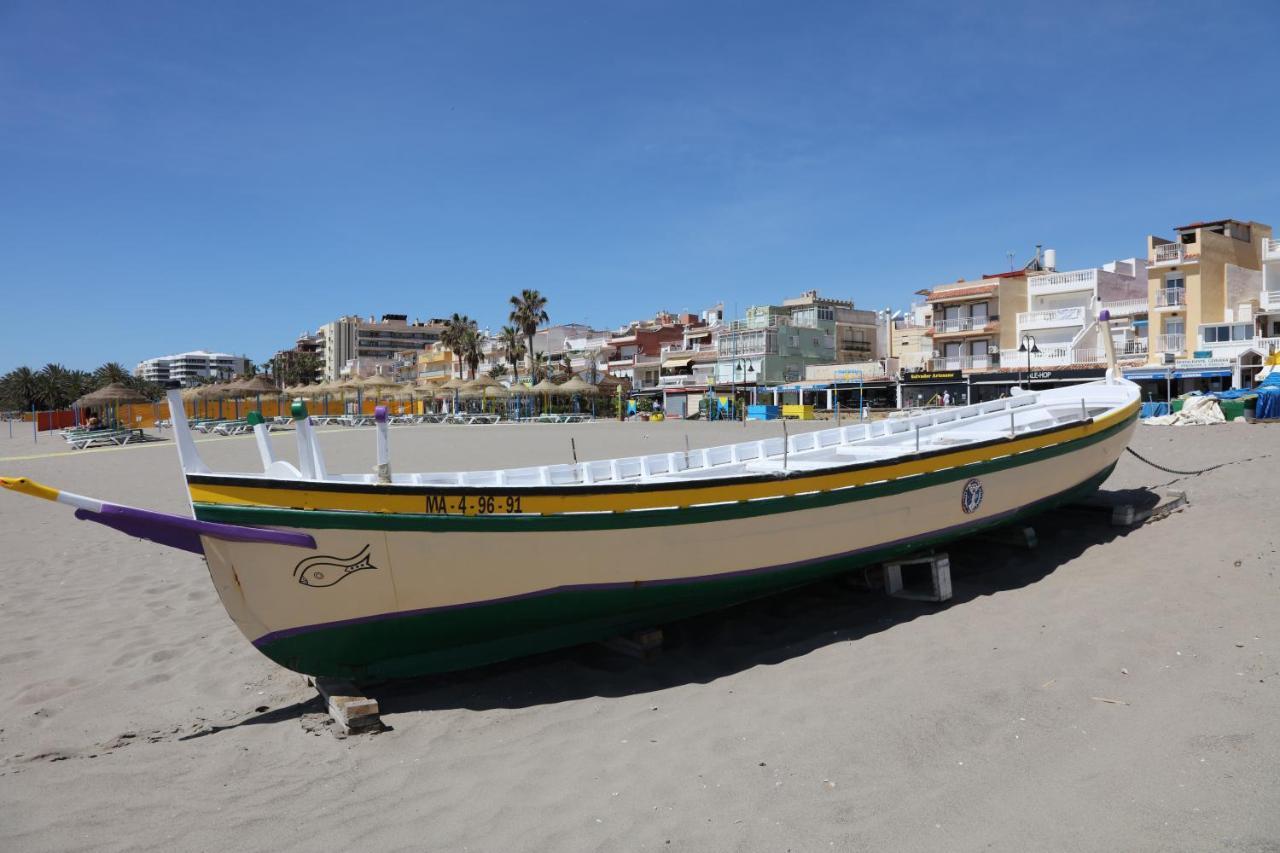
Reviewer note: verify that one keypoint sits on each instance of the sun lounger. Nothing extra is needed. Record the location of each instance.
(102, 437)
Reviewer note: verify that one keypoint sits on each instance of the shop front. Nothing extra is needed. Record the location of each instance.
(999, 383)
(1183, 377)
(933, 388)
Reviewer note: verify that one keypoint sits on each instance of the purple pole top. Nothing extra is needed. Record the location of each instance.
(380, 414)
(1104, 315)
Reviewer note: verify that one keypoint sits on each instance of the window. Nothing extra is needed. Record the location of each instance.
(979, 313)
(1174, 280)
(1226, 333)
(1175, 327)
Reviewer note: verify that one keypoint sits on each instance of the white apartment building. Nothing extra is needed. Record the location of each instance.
(189, 368)
(1062, 314)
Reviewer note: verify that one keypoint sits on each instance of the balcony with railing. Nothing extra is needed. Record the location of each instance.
(1171, 298)
(1050, 356)
(1170, 343)
(962, 362)
(1056, 318)
(1270, 300)
(1270, 249)
(1165, 254)
(1062, 282)
(961, 325)
(1125, 307)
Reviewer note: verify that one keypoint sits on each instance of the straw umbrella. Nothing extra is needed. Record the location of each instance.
(378, 384)
(254, 387)
(547, 388)
(453, 386)
(577, 386)
(112, 395)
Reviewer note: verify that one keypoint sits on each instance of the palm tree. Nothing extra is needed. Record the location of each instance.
(539, 367)
(54, 382)
(513, 347)
(20, 389)
(498, 371)
(110, 372)
(454, 335)
(591, 372)
(528, 312)
(470, 348)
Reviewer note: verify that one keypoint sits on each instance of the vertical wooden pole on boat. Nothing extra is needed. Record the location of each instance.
(917, 438)
(1084, 410)
(260, 436)
(302, 428)
(384, 448)
(786, 444)
(1108, 344)
(573, 448)
(1013, 430)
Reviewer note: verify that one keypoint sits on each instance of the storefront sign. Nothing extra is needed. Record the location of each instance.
(1041, 375)
(934, 376)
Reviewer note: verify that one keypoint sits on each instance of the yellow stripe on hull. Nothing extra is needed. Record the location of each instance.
(606, 499)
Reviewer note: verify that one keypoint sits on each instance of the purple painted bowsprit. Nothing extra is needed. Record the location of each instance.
(184, 534)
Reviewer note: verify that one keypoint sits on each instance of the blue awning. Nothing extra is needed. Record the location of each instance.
(1179, 374)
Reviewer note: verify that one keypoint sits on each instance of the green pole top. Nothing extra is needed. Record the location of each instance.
(299, 410)
(254, 418)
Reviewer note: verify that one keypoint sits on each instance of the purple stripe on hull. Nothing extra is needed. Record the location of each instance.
(266, 639)
(184, 534)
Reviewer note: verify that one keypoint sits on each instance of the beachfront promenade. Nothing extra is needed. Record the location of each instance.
(1111, 690)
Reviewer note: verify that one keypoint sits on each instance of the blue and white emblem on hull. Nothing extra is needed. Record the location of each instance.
(971, 497)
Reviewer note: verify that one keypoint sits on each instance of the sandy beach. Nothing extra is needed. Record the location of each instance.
(1114, 689)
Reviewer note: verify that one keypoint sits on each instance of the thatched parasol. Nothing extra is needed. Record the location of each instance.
(496, 392)
(254, 386)
(116, 392)
(576, 385)
(546, 386)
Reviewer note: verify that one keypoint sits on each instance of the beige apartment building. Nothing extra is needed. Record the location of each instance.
(974, 320)
(1206, 279)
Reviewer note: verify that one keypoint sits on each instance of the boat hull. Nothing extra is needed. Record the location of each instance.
(394, 594)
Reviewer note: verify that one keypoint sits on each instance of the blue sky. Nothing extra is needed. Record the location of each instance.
(225, 175)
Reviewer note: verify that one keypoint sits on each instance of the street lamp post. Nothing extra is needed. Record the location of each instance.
(1029, 347)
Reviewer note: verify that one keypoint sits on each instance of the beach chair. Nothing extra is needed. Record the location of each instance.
(101, 437)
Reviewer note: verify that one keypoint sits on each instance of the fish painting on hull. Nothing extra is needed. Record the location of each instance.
(326, 571)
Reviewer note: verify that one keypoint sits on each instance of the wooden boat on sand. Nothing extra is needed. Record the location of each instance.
(383, 575)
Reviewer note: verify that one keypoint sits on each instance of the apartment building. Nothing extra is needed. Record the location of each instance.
(436, 361)
(636, 351)
(353, 337)
(968, 331)
(1062, 310)
(856, 330)
(191, 368)
(1208, 276)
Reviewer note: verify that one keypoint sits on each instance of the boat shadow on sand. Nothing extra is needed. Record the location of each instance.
(767, 631)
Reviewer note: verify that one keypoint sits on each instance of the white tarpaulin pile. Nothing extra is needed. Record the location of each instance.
(1195, 410)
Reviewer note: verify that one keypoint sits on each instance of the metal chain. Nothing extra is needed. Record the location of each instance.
(1175, 470)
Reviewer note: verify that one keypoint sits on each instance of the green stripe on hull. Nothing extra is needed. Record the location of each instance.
(327, 519)
(403, 645)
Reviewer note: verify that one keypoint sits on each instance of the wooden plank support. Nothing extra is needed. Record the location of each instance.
(351, 711)
(642, 645)
(923, 578)
(1157, 504)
